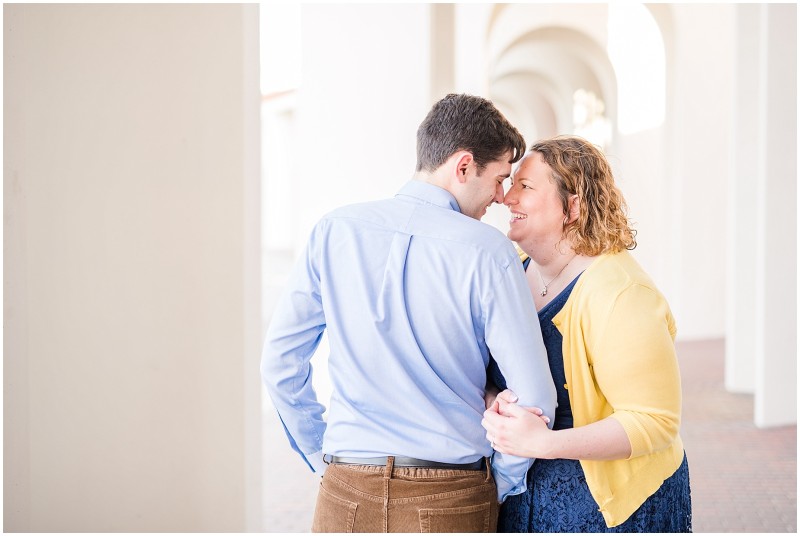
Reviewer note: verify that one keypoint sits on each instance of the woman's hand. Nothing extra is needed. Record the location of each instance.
(513, 429)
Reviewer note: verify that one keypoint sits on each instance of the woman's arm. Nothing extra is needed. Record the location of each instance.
(635, 369)
(518, 431)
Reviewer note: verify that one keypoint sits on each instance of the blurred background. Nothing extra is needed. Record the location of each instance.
(164, 163)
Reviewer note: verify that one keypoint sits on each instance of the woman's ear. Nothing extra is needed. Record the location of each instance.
(574, 208)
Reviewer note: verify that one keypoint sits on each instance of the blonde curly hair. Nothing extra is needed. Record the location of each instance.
(580, 168)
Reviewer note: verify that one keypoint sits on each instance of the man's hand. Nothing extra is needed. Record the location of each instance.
(509, 397)
(491, 393)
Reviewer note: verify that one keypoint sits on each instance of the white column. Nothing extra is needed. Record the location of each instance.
(740, 340)
(776, 220)
(761, 338)
(131, 306)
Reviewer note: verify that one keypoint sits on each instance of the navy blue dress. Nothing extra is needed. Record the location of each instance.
(558, 499)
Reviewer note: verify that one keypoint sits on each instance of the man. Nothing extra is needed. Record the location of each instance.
(415, 292)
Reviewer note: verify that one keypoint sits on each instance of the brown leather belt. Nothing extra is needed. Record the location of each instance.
(402, 461)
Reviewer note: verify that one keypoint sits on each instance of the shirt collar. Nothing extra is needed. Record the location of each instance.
(428, 193)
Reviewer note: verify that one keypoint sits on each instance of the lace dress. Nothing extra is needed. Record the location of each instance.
(558, 499)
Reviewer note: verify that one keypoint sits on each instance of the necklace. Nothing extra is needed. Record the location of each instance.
(545, 285)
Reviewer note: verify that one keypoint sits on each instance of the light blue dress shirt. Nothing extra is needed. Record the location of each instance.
(414, 296)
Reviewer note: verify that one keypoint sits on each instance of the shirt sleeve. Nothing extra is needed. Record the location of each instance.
(637, 370)
(293, 336)
(514, 338)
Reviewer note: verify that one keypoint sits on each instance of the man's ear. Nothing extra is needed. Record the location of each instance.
(574, 208)
(463, 161)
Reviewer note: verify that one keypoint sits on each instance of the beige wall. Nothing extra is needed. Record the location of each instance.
(130, 267)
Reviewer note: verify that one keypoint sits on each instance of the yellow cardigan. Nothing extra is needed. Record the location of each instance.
(619, 360)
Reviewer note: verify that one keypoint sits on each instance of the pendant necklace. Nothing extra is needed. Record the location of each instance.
(544, 289)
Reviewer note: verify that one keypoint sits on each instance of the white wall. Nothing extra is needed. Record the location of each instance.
(366, 87)
(131, 268)
(698, 156)
(364, 91)
(674, 173)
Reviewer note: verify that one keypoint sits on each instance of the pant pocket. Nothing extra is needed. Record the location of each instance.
(333, 514)
(475, 518)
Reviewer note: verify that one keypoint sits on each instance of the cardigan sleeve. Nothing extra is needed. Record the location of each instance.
(637, 371)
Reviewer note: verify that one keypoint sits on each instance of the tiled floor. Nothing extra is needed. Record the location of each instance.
(743, 479)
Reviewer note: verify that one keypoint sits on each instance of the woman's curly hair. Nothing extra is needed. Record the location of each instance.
(580, 168)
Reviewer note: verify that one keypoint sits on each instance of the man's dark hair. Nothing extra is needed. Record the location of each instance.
(461, 122)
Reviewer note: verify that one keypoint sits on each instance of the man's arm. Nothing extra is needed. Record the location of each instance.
(293, 335)
(515, 340)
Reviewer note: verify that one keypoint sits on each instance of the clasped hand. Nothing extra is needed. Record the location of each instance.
(514, 429)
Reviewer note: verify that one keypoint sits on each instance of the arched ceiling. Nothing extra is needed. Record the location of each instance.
(532, 103)
(539, 57)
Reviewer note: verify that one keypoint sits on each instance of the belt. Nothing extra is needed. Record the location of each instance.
(402, 461)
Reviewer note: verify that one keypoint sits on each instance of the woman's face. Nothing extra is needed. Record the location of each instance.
(537, 213)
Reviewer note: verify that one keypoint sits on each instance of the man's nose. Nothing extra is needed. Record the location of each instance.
(499, 195)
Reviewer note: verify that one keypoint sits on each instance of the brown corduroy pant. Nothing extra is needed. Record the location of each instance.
(371, 498)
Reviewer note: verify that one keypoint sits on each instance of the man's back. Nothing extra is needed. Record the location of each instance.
(405, 285)
(413, 295)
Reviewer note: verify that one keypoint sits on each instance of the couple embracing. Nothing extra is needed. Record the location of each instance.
(479, 387)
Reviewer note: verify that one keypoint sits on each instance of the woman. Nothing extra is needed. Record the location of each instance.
(614, 461)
